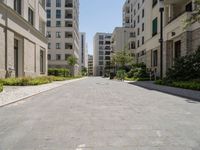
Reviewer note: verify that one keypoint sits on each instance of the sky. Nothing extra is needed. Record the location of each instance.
(99, 16)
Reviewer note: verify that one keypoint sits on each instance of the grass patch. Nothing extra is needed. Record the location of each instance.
(193, 85)
(28, 81)
(1, 87)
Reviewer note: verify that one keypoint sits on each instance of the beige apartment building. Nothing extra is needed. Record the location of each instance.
(102, 53)
(144, 17)
(90, 65)
(23, 44)
(123, 40)
(62, 32)
(83, 51)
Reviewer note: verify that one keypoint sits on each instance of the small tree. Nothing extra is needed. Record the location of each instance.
(122, 59)
(72, 61)
(84, 71)
(195, 15)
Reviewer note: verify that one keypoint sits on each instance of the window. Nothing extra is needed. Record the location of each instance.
(142, 27)
(48, 3)
(48, 13)
(100, 57)
(49, 45)
(100, 52)
(57, 45)
(142, 40)
(58, 57)
(101, 37)
(48, 23)
(48, 34)
(154, 2)
(68, 46)
(68, 4)
(101, 42)
(138, 19)
(49, 56)
(155, 27)
(68, 24)
(58, 35)
(138, 31)
(138, 43)
(58, 13)
(58, 3)
(58, 23)
(101, 63)
(155, 58)
(68, 35)
(67, 56)
(142, 13)
(42, 61)
(17, 6)
(177, 49)
(30, 15)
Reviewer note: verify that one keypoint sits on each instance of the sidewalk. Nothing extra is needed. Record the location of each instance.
(13, 94)
(185, 93)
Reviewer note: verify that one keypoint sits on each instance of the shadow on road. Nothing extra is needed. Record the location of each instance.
(191, 95)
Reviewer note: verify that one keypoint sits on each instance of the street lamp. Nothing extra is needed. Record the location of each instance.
(161, 6)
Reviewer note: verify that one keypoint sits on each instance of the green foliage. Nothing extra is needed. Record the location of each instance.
(138, 71)
(27, 81)
(72, 61)
(122, 59)
(136, 79)
(121, 74)
(58, 72)
(84, 71)
(194, 16)
(185, 68)
(1, 87)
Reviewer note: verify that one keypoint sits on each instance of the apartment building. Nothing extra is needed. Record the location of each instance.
(83, 52)
(102, 53)
(144, 17)
(123, 40)
(23, 43)
(62, 32)
(90, 65)
(135, 17)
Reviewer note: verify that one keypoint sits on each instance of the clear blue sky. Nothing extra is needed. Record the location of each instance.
(99, 16)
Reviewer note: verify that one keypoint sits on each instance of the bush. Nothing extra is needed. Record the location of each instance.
(121, 74)
(185, 68)
(59, 72)
(1, 87)
(138, 71)
(187, 85)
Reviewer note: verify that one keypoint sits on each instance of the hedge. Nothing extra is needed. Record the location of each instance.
(59, 72)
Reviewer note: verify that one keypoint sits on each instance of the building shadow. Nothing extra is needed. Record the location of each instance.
(191, 96)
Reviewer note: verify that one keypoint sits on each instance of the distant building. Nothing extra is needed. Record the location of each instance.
(83, 52)
(62, 32)
(23, 44)
(102, 53)
(90, 65)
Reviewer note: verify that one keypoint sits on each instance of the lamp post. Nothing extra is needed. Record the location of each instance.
(161, 9)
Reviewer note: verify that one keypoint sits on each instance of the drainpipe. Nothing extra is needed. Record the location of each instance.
(6, 45)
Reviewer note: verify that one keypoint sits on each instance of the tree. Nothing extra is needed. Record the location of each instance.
(122, 59)
(72, 61)
(195, 15)
(84, 71)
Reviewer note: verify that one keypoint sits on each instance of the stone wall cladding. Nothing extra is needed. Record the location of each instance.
(195, 39)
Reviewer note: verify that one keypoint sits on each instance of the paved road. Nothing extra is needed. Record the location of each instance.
(98, 114)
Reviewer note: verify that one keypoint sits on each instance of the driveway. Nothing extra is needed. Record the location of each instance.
(99, 114)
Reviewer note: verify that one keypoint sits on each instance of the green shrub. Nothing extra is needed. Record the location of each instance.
(1, 87)
(59, 72)
(121, 74)
(138, 71)
(185, 68)
(187, 85)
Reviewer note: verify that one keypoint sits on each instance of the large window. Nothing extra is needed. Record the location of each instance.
(58, 13)
(48, 3)
(155, 58)
(58, 3)
(48, 13)
(48, 23)
(177, 49)
(57, 45)
(58, 23)
(17, 6)
(58, 57)
(30, 16)
(154, 2)
(58, 35)
(155, 27)
(42, 61)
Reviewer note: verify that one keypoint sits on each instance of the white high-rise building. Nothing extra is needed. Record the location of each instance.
(83, 52)
(23, 45)
(102, 53)
(62, 32)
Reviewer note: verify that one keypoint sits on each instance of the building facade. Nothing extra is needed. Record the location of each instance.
(62, 32)
(90, 65)
(83, 52)
(144, 17)
(123, 40)
(102, 53)
(23, 43)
